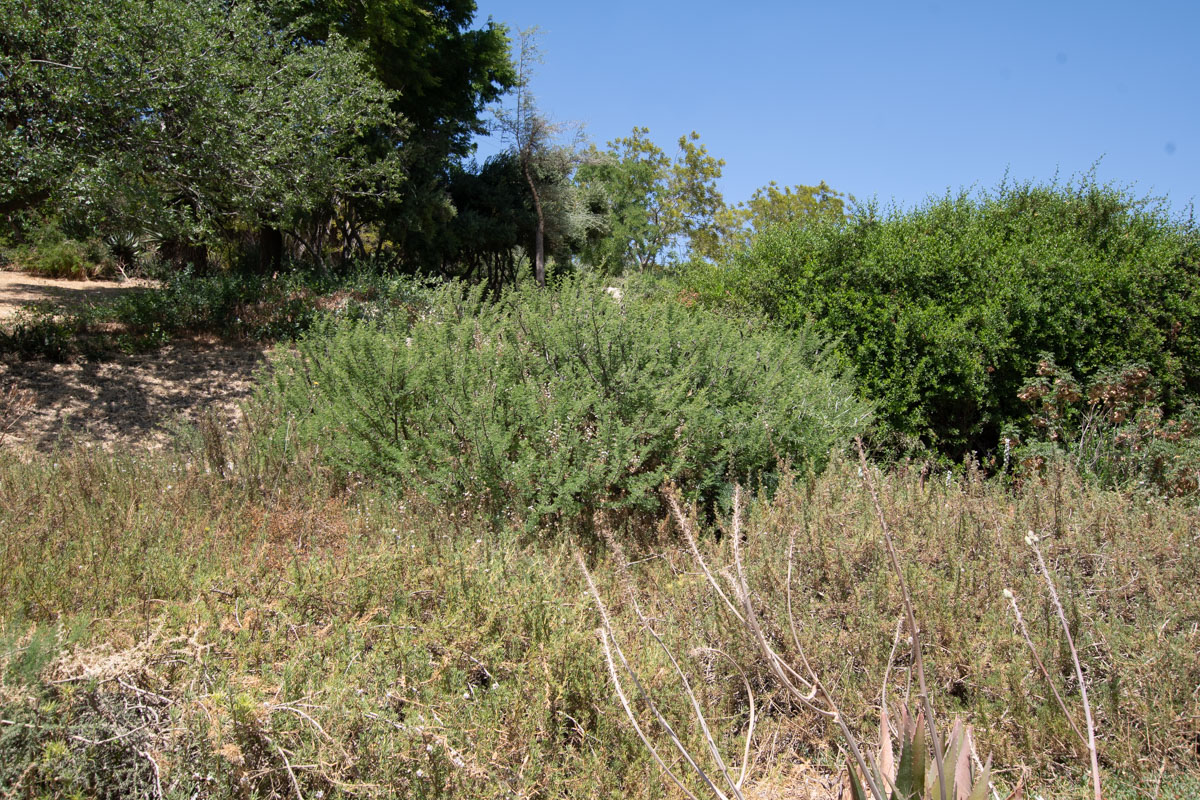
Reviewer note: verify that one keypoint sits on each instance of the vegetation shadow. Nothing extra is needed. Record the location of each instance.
(134, 399)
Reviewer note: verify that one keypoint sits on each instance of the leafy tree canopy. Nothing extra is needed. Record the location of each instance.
(181, 117)
(443, 75)
(651, 204)
(771, 207)
(442, 72)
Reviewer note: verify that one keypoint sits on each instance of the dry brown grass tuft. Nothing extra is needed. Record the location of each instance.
(15, 403)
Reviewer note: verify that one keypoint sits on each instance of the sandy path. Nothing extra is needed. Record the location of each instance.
(132, 399)
(18, 289)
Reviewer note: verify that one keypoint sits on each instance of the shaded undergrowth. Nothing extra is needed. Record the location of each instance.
(232, 306)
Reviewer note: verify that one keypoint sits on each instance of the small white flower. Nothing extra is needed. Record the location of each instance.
(1008, 594)
(1031, 539)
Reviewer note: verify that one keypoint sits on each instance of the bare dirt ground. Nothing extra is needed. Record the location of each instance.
(18, 289)
(132, 399)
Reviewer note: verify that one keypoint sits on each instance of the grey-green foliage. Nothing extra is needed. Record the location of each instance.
(180, 116)
(551, 404)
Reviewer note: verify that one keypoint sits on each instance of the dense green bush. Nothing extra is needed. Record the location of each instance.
(944, 310)
(46, 249)
(548, 405)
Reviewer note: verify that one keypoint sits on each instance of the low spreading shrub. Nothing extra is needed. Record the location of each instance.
(47, 250)
(944, 310)
(552, 404)
(38, 331)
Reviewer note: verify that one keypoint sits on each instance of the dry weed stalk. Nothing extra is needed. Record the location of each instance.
(910, 616)
(1032, 540)
(15, 403)
(613, 654)
(885, 779)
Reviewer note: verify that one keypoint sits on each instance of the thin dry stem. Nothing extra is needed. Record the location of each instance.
(910, 615)
(158, 790)
(288, 766)
(781, 668)
(624, 700)
(1012, 600)
(1083, 695)
(626, 578)
(607, 637)
(687, 689)
(690, 538)
(753, 714)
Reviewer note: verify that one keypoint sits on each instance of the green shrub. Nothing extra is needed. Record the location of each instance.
(944, 310)
(230, 305)
(49, 251)
(548, 405)
(38, 331)
(253, 307)
(65, 259)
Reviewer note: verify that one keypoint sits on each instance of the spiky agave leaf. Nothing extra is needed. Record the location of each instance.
(911, 778)
(910, 775)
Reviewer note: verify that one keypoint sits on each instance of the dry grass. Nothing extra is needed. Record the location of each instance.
(15, 403)
(1123, 565)
(236, 622)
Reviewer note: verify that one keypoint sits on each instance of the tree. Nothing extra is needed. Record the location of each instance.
(769, 207)
(183, 118)
(492, 220)
(652, 206)
(532, 137)
(443, 75)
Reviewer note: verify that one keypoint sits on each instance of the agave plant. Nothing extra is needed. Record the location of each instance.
(910, 778)
(125, 247)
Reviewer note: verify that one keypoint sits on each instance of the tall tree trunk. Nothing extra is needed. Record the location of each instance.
(270, 249)
(182, 253)
(539, 240)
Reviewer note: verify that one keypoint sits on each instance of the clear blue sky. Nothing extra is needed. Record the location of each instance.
(896, 100)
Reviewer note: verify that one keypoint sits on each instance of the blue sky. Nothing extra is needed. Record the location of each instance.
(893, 100)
